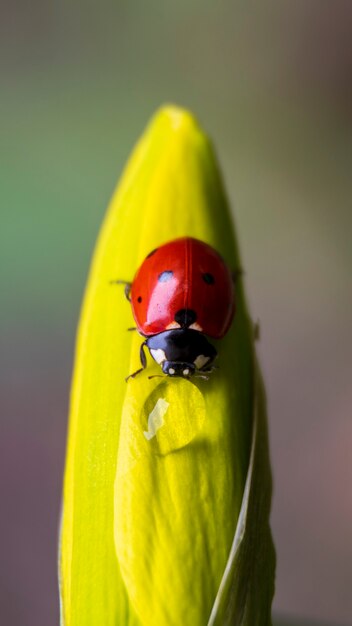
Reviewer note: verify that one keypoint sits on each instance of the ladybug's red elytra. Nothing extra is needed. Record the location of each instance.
(182, 292)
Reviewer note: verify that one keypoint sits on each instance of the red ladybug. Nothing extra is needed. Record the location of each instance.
(182, 291)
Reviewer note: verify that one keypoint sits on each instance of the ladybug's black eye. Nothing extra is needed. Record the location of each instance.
(139, 299)
(208, 278)
(165, 276)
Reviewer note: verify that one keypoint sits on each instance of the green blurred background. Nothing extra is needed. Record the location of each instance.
(271, 82)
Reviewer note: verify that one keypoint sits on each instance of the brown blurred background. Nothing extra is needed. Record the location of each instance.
(271, 81)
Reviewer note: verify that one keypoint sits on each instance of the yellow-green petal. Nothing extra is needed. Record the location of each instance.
(156, 470)
(247, 587)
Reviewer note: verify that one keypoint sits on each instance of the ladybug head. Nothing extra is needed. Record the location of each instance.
(181, 352)
(178, 368)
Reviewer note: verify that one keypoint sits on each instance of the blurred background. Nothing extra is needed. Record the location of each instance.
(271, 82)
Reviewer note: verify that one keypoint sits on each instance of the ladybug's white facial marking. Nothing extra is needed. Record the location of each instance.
(173, 325)
(158, 355)
(196, 326)
(200, 361)
(171, 370)
(185, 372)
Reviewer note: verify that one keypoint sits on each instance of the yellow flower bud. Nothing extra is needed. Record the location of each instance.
(167, 483)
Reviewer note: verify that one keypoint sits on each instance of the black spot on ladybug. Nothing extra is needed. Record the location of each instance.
(208, 278)
(139, 299)
(151, 253)
(185, 317)
(165, 276)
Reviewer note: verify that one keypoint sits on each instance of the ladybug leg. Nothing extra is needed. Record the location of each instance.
(128, 291)
(134, 374)
(143, 359)
(127, 287)
(210, 369)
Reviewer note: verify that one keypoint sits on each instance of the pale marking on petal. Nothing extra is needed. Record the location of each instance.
(200, 361)
(158, 355)
(156, 418)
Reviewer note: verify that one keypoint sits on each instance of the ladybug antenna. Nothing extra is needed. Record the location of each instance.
(156, 376)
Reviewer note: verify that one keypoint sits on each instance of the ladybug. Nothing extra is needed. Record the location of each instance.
(181, 294)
